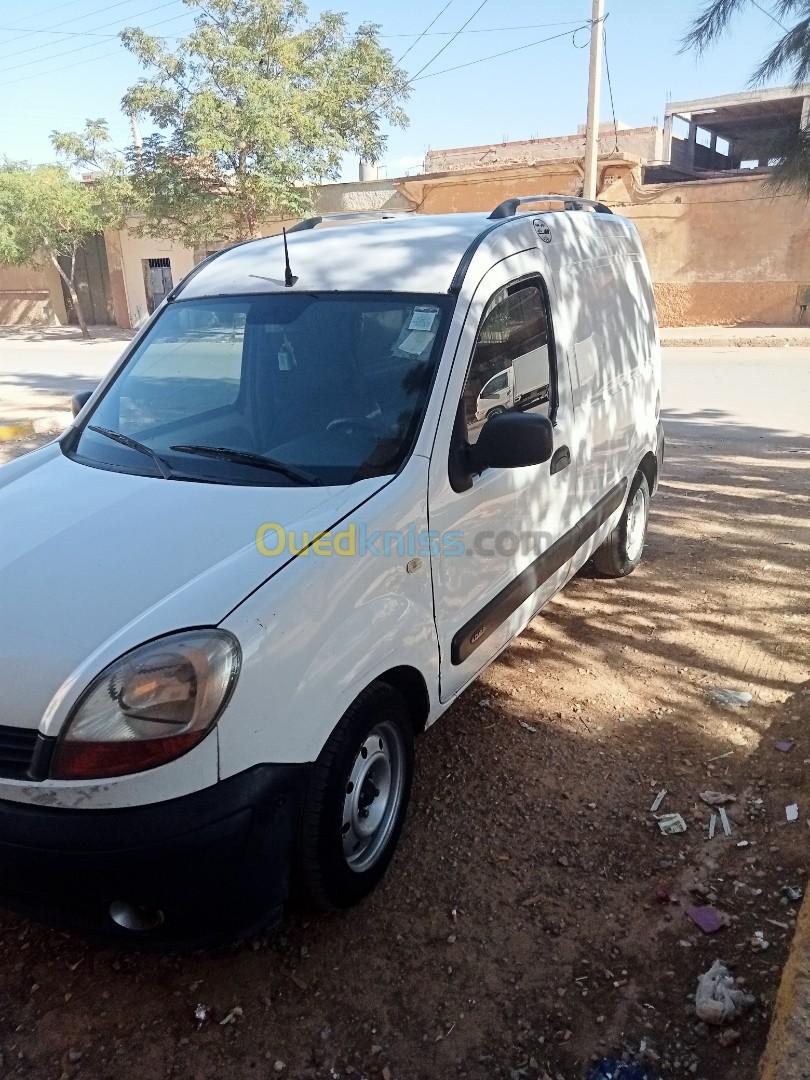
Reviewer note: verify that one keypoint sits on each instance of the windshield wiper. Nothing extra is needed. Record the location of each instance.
(246, 457)
(118, 436)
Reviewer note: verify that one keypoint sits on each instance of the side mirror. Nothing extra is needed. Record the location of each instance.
(78, 401)
(512, 440)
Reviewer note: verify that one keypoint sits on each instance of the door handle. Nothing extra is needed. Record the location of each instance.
(560, 460)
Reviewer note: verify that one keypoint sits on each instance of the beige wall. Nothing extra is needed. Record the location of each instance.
(644, 142)
(727, 251)
(724, 251)
(31, 296)
(129, 262)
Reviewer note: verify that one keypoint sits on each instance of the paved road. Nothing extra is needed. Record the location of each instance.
(751, 388)
(38, 376)
(746, 386)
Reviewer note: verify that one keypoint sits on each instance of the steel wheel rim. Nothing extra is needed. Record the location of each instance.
(636, 525)
(373, 796)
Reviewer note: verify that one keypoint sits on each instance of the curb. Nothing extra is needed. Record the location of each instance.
(10, 432)
(27, 429)
(786, 1054)
(735, 343)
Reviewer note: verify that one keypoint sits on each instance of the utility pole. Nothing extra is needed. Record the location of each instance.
(594, 92)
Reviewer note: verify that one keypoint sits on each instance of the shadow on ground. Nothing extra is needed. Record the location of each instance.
(63, 333)
(518, 931)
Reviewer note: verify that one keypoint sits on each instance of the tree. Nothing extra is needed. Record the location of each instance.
(46, 215)
(790, 53)
(252, 109)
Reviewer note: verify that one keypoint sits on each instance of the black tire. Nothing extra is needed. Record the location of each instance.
(326, 879)
(613, 559)
(496, 410)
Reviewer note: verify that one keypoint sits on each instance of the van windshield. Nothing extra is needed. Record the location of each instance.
(272, 389)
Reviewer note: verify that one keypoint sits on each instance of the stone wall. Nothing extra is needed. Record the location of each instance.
(729, 251)
(643, 142)
(31, 296)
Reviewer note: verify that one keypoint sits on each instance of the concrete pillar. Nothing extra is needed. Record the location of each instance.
(667, 147)
(804, 124)
(690, 145)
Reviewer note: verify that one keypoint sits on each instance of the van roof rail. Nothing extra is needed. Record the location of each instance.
(509, 207)
(347, 217)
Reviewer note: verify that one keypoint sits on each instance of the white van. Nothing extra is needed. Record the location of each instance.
(279, 540)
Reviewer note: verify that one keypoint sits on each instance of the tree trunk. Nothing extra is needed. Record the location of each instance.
(74, 296)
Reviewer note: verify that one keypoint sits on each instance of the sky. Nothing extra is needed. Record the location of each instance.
(61, 63)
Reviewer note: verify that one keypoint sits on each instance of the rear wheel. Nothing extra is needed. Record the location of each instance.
(621, 553)
(357, 799)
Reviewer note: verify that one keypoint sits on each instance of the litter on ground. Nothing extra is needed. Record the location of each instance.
(725, 822)
(709, 919)
(712, 826)
(717, 798)
(739, 699)
(785, 745)
(718, 999)
(659, 798)
(792, 812)
(670, 824)
(610, 1069)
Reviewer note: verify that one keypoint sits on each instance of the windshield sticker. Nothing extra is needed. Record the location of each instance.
(542, 230)
(423, 319)
(416, 343)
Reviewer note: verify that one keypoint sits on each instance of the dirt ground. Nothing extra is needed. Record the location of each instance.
(534, 916)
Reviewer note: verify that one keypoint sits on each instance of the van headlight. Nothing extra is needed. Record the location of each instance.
(150, 706)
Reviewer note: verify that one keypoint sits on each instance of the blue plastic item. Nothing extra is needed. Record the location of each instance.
(610, 1069)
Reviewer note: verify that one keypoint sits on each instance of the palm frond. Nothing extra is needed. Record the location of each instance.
(792, 173)
(710, 24)
(791, 51)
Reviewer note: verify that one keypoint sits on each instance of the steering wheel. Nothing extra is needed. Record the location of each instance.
(346, 423)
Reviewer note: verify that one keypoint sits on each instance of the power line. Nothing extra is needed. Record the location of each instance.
(770, 15)
(494, 56)
(77, 63)
(432, 22)
(49, 11)
(76, 18)
(418, 37)
(450, 41)
(610, 89)
(81, 48)
(58, 33)
(487, 29)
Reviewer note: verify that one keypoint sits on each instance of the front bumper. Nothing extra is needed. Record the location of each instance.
(215, 862)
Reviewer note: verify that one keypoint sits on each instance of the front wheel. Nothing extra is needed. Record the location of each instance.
(621, 553)
(357, 799)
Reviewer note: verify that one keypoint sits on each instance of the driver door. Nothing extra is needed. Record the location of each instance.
(506, 540)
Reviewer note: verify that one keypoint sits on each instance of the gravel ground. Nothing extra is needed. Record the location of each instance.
(534, 915)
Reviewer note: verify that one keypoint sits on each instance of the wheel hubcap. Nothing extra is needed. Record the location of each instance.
(636, 525)
(373, 796)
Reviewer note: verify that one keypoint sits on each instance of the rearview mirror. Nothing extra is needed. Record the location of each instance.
(512, 440)
(78, 401)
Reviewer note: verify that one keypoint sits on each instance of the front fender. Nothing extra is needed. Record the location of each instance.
(326, 626)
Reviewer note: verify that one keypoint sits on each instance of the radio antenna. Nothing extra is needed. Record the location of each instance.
(289, 277)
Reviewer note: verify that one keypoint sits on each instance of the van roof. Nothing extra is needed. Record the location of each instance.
(412, 253)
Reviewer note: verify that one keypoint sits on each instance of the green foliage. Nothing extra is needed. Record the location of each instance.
(791, 54)
(44, 212)
(252, 109)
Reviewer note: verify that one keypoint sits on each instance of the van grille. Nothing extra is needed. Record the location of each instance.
(16, 751)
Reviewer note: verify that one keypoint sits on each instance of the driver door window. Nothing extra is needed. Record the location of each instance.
(510, 366)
